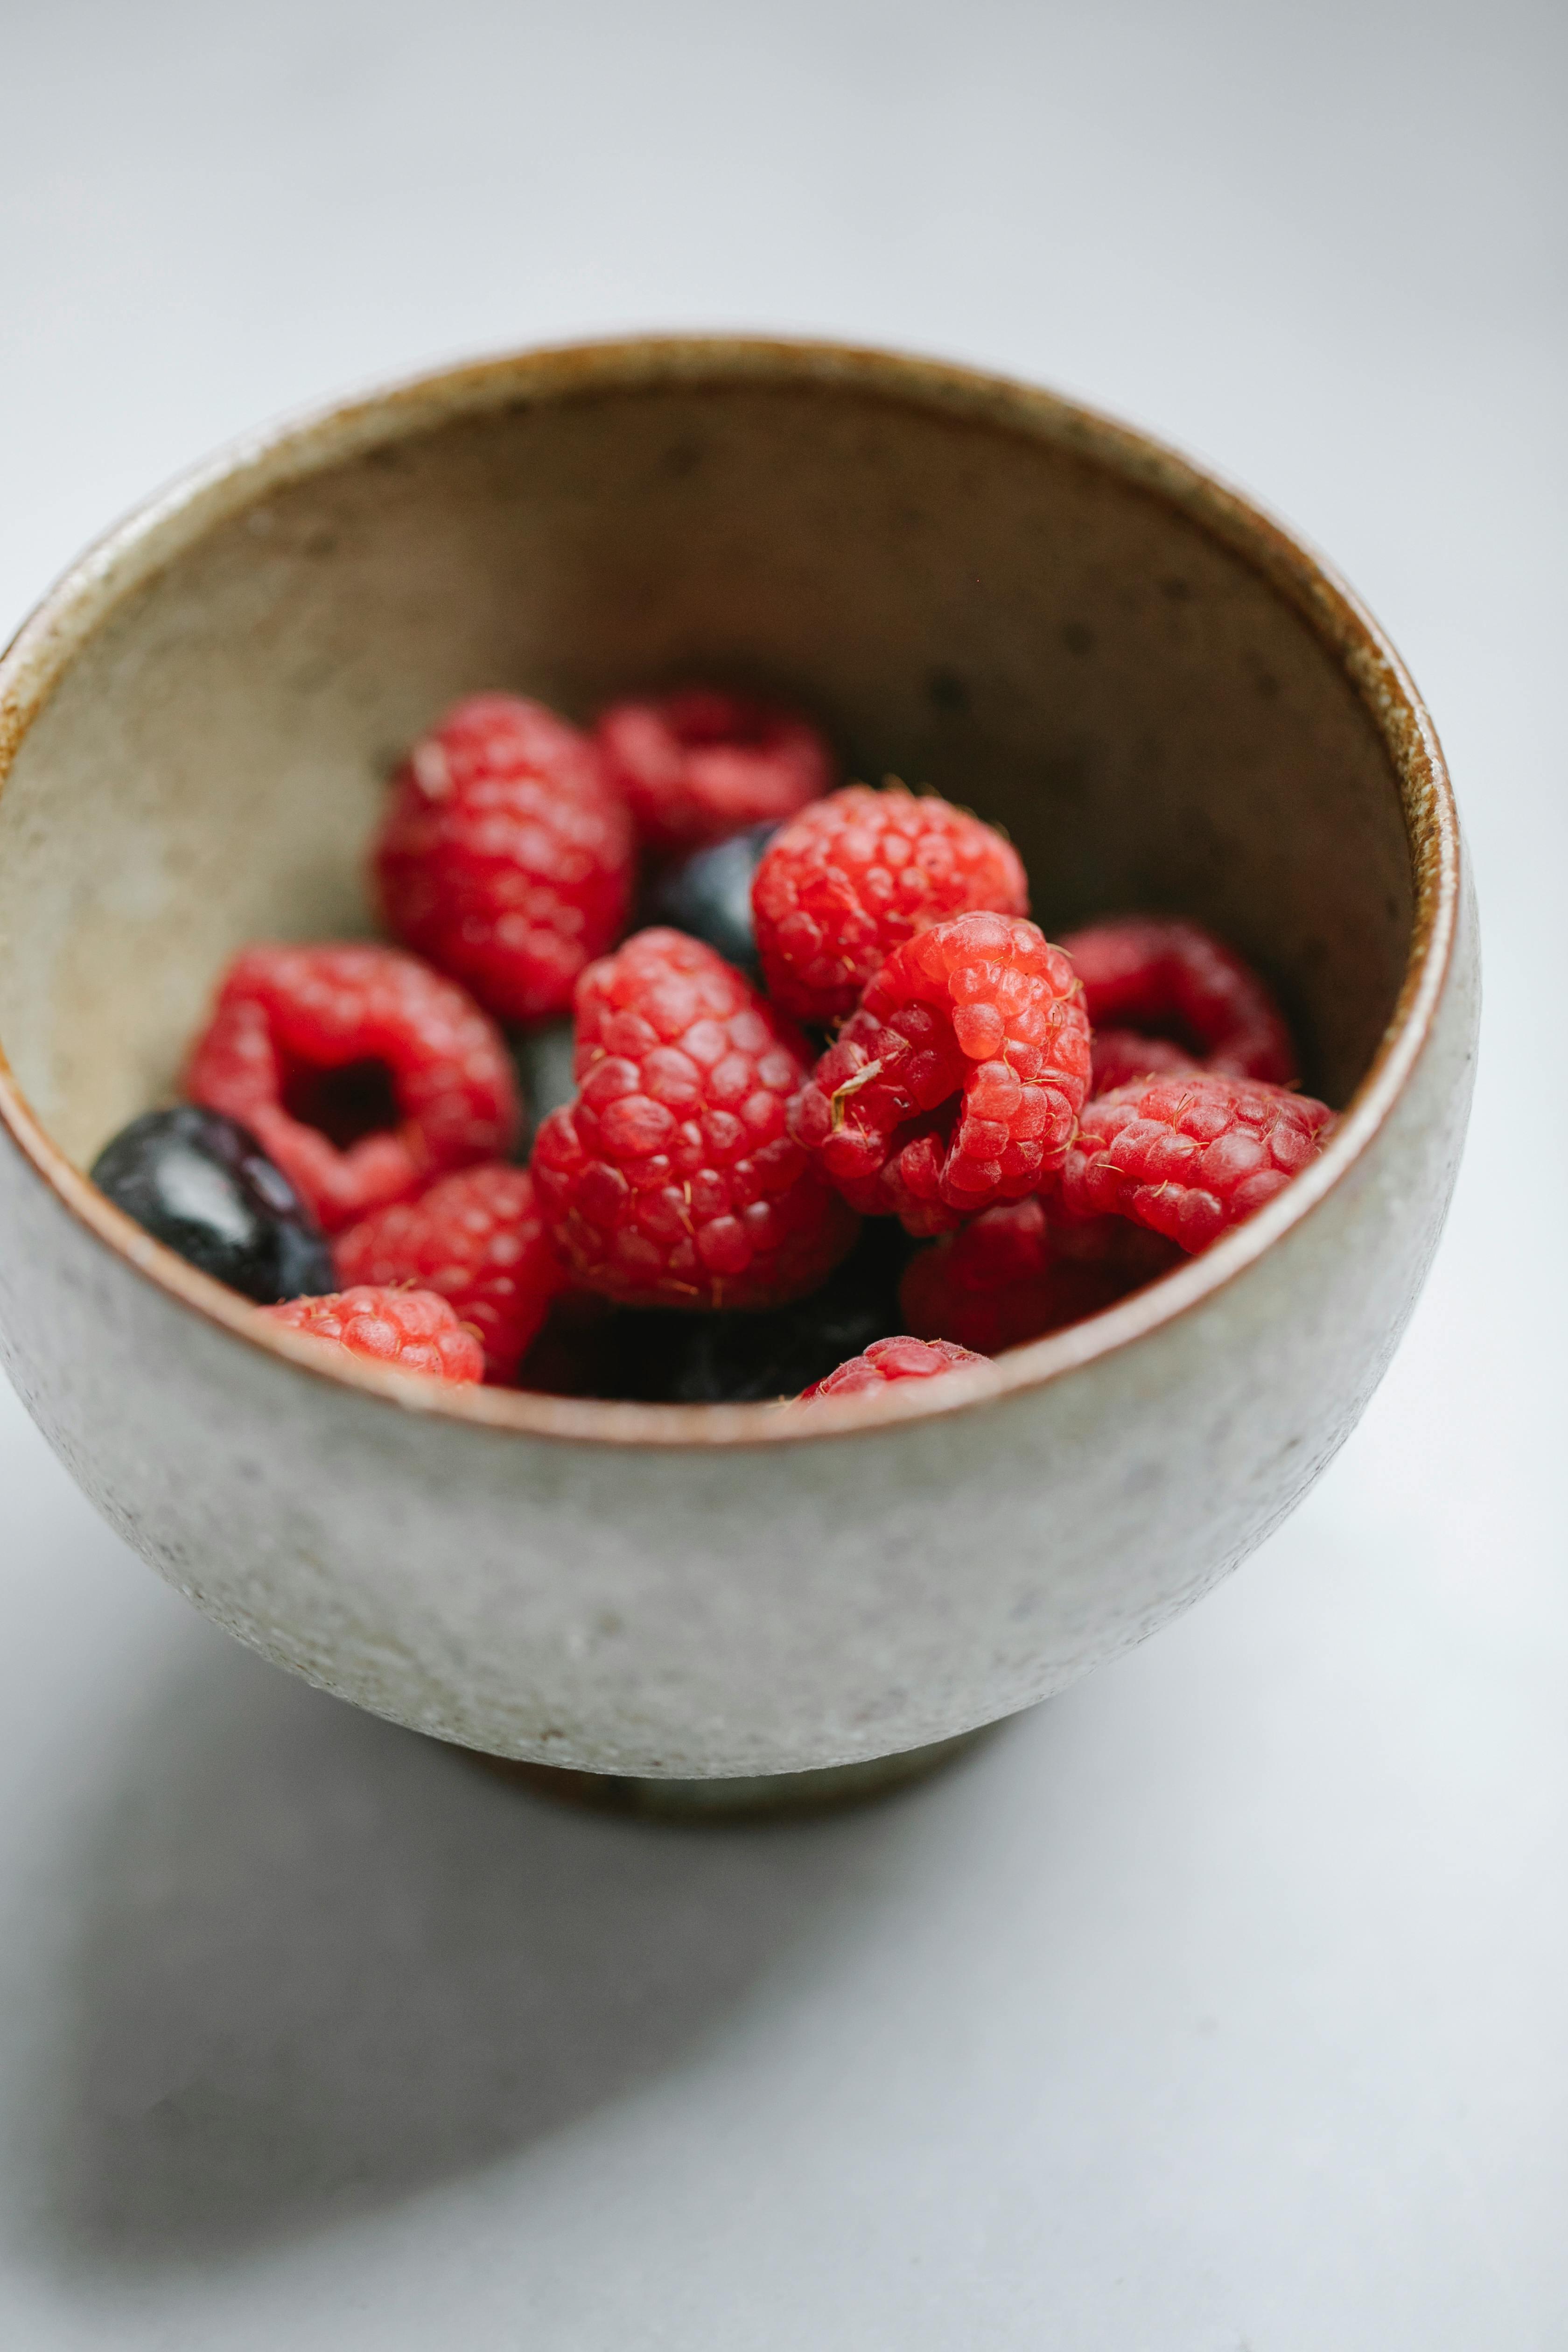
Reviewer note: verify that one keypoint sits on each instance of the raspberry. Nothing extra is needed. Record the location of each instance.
(1178, 982)
(359, 1071)
(907, 1186)
(478, 1239)
(672, 1179)
(854, 876)
(959, 1081)
(409, 1330)
(1017, 1272)
(506, 856)
(700, 764)
(1190, 1156)
(887, 1360)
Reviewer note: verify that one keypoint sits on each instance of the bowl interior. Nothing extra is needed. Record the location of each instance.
(999, 610)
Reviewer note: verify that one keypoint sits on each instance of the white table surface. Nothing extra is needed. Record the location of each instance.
(1222, 2003)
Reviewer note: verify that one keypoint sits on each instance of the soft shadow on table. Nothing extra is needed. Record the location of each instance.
(328, 1963)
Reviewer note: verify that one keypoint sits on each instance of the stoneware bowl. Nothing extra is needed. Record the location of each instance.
(1168, 701)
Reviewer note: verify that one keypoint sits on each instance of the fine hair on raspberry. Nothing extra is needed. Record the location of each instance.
(1192, 1155)
(959, 1082)
(857, 874)
(362, 1073)
(505, 855)
(673, 1180)
(403, 1330)
(701, 763)
(476, 1238)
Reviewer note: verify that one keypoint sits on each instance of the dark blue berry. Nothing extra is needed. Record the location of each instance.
(542, 1059)
(203, 1184)
(709, 894)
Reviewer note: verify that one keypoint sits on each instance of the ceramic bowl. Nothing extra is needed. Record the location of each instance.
(1168, 701)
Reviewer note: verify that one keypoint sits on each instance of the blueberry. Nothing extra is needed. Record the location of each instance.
(200, 1182)
(709, 894)
(542, 1058)
(657, 1355)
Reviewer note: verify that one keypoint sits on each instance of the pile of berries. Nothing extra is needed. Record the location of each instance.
(836, 1114)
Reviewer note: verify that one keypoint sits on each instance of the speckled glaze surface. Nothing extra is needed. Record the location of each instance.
(1168, 701)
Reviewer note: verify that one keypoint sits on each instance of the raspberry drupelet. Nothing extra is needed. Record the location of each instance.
(959, 1082)
(887, 1360)
(1192, 1155)
(672, 1180)
(1151, 981)
(859, 873)
(362, 1073)
(700, 764)
(1013, 1274)
(477, 1239)
(407, 1330)
(505, 855)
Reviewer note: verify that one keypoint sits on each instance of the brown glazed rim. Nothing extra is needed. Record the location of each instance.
(259, 465)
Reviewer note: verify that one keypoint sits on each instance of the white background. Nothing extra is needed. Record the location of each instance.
(1223, 2003)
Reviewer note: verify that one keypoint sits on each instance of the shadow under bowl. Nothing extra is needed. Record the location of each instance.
(1167, 700)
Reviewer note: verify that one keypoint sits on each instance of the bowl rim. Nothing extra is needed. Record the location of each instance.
(258, 463)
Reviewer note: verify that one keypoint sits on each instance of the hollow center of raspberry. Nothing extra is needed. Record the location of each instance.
(346, 1105)
(1167, 1024)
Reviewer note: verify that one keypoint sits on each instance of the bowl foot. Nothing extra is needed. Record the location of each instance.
(762, 1796)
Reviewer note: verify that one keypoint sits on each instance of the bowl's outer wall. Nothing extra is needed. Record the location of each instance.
(694, 1611)
(984, 610)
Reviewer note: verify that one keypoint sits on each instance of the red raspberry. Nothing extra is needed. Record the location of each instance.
(699, 765)
(854, 876)
(359, 1071)
(1176, 980)
(672, 1179)
(959, 1082)
(477, 1238)
(1190, 1156)
(1017, 1272)
(506, 856)
(409, 1330)
(887, 1360)
(1122, 1055)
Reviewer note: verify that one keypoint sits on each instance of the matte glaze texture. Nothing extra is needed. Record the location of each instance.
(1167, 701)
